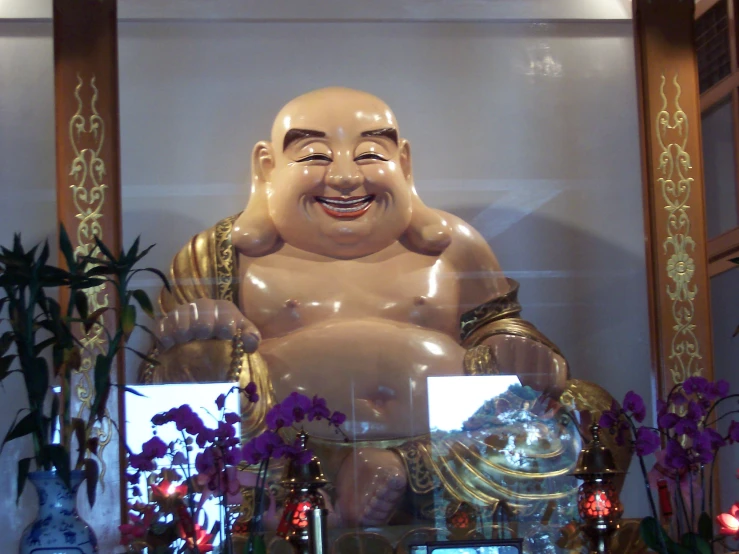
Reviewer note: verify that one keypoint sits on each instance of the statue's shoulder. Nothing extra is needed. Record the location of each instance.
(205, 267)
(474, 262)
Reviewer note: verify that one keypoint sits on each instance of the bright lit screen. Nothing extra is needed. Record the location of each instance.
(453, 400)
(160, 398)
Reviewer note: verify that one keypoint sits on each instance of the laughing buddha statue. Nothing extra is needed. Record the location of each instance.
(339, 281)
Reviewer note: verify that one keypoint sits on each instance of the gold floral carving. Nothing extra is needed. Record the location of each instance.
(225, 262)
(672, 129)
(87, 170)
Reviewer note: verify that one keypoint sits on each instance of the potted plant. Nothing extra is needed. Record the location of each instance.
(41, 331)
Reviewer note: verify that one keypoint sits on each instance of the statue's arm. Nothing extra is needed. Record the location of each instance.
(497, 339)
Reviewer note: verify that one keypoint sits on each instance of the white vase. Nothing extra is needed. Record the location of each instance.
(58, 528)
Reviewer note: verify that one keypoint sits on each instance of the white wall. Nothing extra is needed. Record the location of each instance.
(529, 131)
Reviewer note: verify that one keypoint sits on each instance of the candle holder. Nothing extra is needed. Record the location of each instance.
(303, 482)
(598, 502)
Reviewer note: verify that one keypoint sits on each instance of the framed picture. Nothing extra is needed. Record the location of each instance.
(488, 546)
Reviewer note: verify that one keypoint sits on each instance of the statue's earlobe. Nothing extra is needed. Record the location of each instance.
(254, 233)
(405, 160)
(428, 232)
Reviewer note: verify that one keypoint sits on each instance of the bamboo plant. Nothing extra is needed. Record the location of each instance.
(39, 330)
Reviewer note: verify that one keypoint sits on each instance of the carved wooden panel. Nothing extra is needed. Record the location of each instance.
(673, 194)
(88, 174)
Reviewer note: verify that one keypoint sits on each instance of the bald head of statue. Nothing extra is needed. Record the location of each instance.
(335, 179)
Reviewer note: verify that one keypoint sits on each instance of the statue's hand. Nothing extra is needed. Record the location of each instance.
(537, 365)
(206, 319)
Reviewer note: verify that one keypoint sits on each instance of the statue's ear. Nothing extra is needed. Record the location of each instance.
(254, 233)
(262, 162)
(428, 231)
(405, 160)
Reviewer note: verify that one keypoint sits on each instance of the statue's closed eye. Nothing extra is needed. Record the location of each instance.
(316, 158)
(370, 156)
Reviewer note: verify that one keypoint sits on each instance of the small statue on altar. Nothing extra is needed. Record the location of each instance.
(339, 281)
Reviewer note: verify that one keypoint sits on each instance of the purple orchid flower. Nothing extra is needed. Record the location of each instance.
(702, 449)
(634, 404)
(154, 448)
(276, 418)
(696, 385)
(676, 457)
(686, 426)
(318, 410)
(667, 421)
(251, 392)
(734, 432)
(647, 441)
(719, 389)
(296, 406)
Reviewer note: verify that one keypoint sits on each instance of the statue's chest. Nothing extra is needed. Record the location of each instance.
(281, 293)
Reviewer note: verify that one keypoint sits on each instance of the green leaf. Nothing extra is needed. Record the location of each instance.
(80, 302)
(161, 275)
(92, 445)
(44, 344)
(6, 341)
(705, 527)
(128, 320)
(23, 466)
(44, 256)
(133, 251)
(102, 385)
(65, 245)
(92, 472)
(694, 544)
(143, 253)
(260, 547)
(37, 380)
(104, 249)
(60, 458)
(54, 415)
(143, 299)
(93, 318)
(5, 363)
(148, 331)
(130, 390)
(650, 531)
(78, 426)
(144, 357)
(24, 427)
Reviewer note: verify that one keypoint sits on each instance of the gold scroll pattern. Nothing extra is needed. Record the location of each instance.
(673, 129)
(87, 170)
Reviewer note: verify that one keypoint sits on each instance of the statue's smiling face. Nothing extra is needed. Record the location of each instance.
(338, 174)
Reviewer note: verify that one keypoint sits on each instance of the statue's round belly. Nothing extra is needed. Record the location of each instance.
(372, 370)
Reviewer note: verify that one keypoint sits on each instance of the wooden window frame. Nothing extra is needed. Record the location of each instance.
(725, 246)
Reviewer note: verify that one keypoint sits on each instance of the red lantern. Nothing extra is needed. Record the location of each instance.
(303, 483)
(598, 502)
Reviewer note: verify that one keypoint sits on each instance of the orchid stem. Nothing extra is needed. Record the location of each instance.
(660, 538)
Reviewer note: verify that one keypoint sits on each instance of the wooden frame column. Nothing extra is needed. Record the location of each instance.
(88, 181)
(674, 209)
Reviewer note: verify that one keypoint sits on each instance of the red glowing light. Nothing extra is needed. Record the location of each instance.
(300, 515)
(598, 500)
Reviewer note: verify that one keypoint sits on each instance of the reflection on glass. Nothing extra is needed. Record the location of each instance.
(719, 169)
(503, 454)
(475, 550)
(148, 400)
(724, 320)
(469, 547)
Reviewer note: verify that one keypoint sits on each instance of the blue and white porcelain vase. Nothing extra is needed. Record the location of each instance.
(58, 528)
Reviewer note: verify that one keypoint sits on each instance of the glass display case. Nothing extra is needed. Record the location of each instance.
(452, 228)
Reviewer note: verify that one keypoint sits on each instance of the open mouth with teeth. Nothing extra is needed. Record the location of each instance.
(345, 206)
